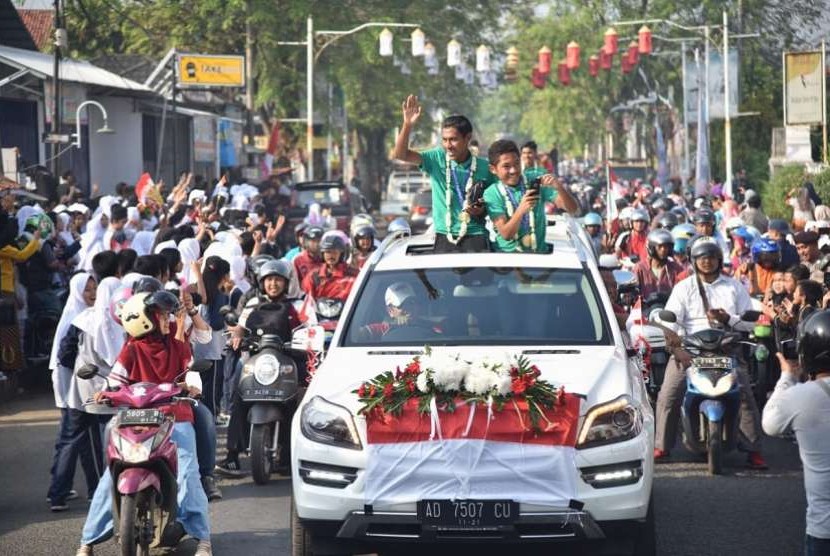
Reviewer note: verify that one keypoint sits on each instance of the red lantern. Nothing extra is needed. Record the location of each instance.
(633, 53)
(593, 65)
(644, 40)
(537, 78)
(625, 63)
(572, 56)
(545, 59)
(564, 73)
(610, 43)
(604, 59)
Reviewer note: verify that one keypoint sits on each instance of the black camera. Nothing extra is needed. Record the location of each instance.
(476, 193)
(534, 185)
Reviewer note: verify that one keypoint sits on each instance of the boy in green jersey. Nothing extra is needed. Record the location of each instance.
(516, 208)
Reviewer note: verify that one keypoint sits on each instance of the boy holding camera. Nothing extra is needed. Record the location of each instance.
(517, 208)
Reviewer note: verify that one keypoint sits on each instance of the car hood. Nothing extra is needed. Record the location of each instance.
(598, 373)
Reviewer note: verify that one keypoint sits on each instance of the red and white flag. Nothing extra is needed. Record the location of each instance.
(473, 453)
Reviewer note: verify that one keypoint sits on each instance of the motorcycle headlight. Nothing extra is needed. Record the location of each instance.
(614, 421)
(134, 452)
(266, 369)
(328, 423)
(711, 384)
(329, 308)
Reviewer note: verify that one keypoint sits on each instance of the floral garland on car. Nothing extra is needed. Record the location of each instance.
(440, 379)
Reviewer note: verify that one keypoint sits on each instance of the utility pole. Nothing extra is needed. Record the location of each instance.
(309, 60)
(727, 124)
(687, 167)
(60, 42)
(249, 82)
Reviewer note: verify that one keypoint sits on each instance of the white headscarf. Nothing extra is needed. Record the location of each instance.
(75, 304)
(92, 242)
(107, 335)
(143, 242)
(169, 244)
(190, 250)
(238, 275)
(24, 213)
(65, 219)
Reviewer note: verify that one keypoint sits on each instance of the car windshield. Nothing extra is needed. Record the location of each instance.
(478, 306)
(328, 196)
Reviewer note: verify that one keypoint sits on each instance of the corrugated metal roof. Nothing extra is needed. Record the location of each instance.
(71, 70)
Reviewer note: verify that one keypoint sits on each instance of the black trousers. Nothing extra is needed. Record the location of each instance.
(467, 244)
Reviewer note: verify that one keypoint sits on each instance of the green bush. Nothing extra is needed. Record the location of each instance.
(774, 192)
(822, 183)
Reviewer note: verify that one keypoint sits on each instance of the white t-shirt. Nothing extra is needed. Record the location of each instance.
(805, 410)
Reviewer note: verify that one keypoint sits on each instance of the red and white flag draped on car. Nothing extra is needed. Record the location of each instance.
(474, 452)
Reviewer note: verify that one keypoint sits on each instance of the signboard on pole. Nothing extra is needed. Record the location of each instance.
(205, 70)
(716, 85)
(803, 88)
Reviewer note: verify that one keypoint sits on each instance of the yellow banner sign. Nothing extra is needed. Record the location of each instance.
(804, 88)
(203, 70)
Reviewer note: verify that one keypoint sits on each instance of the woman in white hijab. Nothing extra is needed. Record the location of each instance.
(82, 288)
(143, 242)
(190, 250)
(92, 240)
(107, 335)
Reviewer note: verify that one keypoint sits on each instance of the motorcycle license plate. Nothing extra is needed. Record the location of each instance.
(467, 514)
(130, 417)
(262, 393)
(712, 362)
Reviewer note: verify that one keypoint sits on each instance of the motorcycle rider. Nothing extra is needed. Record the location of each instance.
(274, 277)
(805, 410)
(310, 258)
(593, 225)
(658, 273)
(157, 352)
(633, 243)
(682, 234)
(766, 254)
(700, 301)
(334, 278)
(705, 223)
(363, 244)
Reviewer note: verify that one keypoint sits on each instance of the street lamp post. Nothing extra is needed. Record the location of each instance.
(311, 57)
(105, 129)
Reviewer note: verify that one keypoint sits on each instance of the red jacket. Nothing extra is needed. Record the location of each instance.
(335, 284)
(649, 283)
(305, 263)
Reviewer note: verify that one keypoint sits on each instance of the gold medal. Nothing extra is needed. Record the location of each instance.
(465, 217)
(527, 241)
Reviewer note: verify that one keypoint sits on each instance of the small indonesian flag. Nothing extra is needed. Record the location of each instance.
(146, 191)
(473, 453)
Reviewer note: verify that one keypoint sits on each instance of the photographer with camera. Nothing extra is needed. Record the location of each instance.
(805, 410)
(514, 205)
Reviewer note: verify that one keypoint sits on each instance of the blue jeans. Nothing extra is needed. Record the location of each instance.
(193, 504)
(814, 546)
(79, 437)
(205, 428)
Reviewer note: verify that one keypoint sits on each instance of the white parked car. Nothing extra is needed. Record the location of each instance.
(551, 308)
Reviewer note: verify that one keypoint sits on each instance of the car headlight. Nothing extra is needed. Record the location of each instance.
(266, 369)
(711, 384)
(613, 421)
(328, 423)
(329, 308)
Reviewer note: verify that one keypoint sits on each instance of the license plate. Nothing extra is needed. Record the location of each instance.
(141, 417)
(467, 514)
(712, 362)
(260, 393)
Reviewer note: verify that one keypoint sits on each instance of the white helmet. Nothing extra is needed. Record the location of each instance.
(398, 293)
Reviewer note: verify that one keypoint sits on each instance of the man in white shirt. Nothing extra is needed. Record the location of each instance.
(726, 299)
(805, 410)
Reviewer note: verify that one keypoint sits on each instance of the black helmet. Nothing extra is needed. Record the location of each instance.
(704, 216)
(300, 228)
(364, 231)
(275, 267)
(332, 242)
(147, 284)
(656, 238)
(162, 301)
(667, 220)
(814, 343)
(705, 246)
(313, 232)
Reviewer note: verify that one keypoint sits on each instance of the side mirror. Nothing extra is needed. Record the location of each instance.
(87, 372)
(667, 316)
(201, 366)
(751, 316)
(309, 338)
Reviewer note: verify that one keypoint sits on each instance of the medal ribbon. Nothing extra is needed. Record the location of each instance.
(456, 184)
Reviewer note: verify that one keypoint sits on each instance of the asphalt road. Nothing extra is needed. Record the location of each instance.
(742, 512)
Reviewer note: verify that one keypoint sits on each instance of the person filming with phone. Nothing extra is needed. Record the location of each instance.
(804, 408)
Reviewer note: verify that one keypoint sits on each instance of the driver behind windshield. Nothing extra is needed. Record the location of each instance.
(403, 309)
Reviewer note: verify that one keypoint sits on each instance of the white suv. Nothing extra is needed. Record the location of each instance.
(551, 308)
